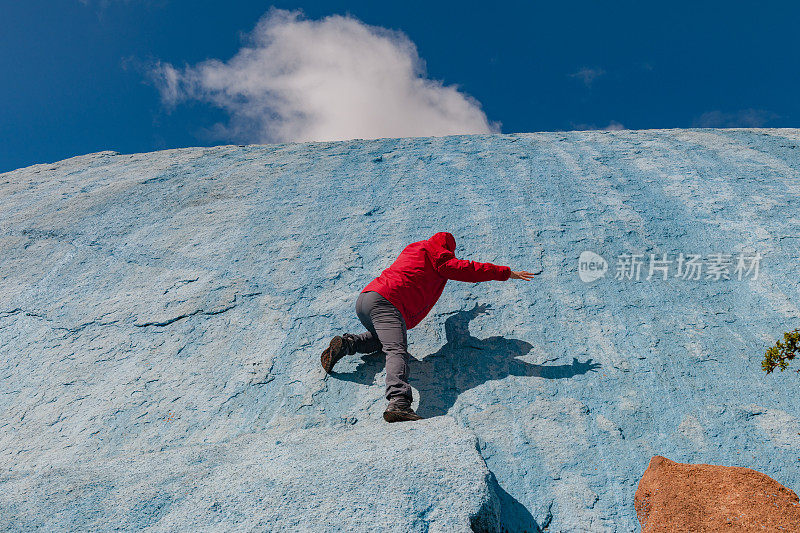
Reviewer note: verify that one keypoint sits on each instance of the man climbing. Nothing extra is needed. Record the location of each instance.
(398, 300)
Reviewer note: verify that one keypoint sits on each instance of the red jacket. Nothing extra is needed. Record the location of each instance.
(414, 282)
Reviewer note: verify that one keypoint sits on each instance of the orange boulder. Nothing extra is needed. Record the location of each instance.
(703, 498)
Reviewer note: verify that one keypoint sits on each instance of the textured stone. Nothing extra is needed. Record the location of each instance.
(360, 477)
(683, 497)
(158, 305)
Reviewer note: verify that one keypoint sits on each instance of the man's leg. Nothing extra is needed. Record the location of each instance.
(383, 319)
(366, 342)
(391, 333)
(349, 344)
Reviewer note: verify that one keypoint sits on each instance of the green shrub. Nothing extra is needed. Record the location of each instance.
(783, 352)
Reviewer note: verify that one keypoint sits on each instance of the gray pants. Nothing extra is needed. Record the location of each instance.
(386, 331)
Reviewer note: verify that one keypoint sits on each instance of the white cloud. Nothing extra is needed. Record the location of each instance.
(745, 118)
(588, 75)
(330, 79)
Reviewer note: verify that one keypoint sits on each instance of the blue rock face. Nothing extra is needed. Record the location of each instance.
(162, 317)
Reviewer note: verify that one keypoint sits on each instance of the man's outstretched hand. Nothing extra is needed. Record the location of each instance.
(527, 276)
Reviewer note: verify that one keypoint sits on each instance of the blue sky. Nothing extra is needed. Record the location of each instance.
(84, 76)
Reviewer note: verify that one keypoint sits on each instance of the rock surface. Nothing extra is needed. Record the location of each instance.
(429, 477)
(683, 497)
(162, 317)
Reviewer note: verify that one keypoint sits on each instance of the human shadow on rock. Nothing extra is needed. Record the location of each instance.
(464, 363)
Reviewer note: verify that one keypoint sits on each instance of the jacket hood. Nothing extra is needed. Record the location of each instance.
(444, 240)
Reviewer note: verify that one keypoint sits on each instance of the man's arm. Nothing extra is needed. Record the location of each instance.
(472, 271)
(448, 266)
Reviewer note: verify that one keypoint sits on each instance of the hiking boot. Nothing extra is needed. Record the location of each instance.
(333, 353)
(400, 414)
